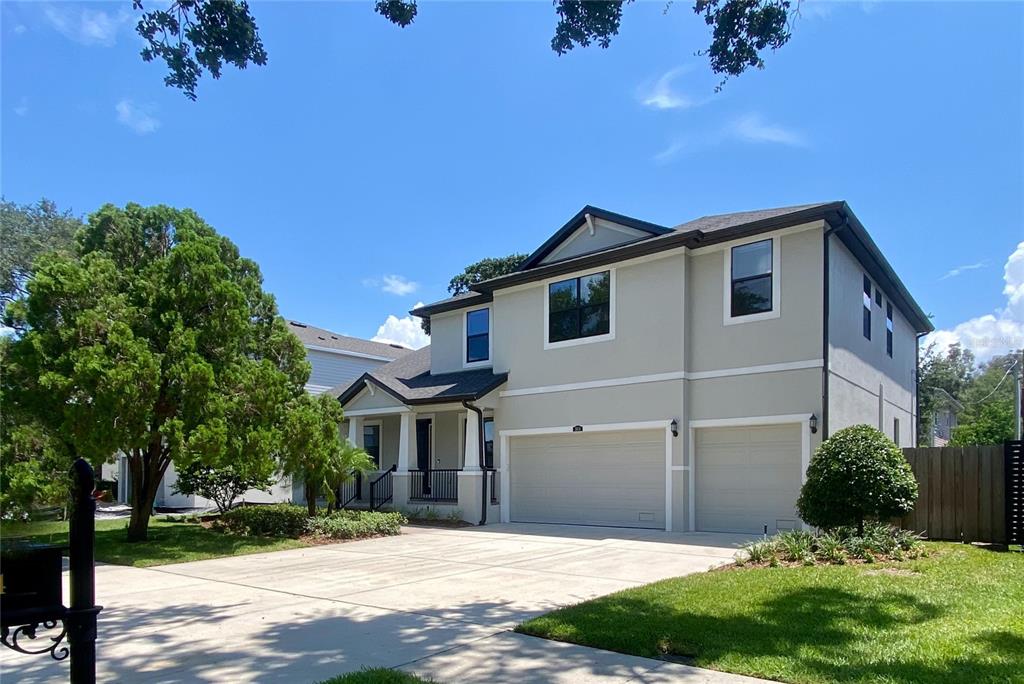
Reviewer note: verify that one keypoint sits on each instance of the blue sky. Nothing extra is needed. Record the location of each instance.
(366, 164)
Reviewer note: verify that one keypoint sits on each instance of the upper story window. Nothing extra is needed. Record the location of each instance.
(888, 329)
(579, 307)
(478, 336)
(867, 308)
(751, 268)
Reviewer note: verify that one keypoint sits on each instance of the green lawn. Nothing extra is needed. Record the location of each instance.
(377, 675)
(955, 616)
(169, 542)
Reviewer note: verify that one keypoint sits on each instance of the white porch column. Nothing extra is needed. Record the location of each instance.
(471, 457)
(406, 441)
(355, 430)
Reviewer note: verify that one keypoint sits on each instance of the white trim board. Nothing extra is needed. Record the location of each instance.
(776, 310)
(505, 437)
(662, 377)
(486, 363)
(593, 339)
(345, 352)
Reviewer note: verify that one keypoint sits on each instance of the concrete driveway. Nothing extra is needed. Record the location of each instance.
(436, 601)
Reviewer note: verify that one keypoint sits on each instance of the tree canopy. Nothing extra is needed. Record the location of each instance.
(194, 37)
(485, 269)
(940, 376)
(154, 339)
(26, 232)
(987, 415)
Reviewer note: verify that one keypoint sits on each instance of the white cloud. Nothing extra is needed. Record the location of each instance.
(954, 272)
(86, 25)
(660, 95)
(20, 28)
(405, 331)
(998, 332)
(21, 109)
(394, 284)
(751, 128)
(139, 118)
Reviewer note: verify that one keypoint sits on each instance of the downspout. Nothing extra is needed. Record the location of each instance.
(483, 463)
(825, 324)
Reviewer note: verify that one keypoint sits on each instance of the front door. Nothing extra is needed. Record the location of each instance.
(423, 454)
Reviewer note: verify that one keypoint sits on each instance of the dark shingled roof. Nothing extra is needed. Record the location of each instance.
(318, 337)
(457, 302)
(409, 380)
(709, 224)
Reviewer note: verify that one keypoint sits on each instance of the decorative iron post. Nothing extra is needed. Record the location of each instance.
(81, 616)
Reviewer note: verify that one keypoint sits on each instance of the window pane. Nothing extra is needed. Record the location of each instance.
(563, 325)
(594, 320)
(371, 442)
(752, 296)
(476, 322)
(594, 289)
(751, 260)
(476, 348)
(562, 295)
(489, 442)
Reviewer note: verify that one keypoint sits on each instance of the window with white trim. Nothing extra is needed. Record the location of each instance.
(888, 329)
(579, 307)
(371, 442)
(751, 278)
(867, 307)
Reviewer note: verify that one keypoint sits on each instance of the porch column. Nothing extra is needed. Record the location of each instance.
(355, 430)
(406, 443)
(471, 457)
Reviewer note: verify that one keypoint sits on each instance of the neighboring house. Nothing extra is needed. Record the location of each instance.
(944, 417)
(639, 375)
(333, 359)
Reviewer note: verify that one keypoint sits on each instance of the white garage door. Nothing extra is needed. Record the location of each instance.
(589, 478)
(747, 478)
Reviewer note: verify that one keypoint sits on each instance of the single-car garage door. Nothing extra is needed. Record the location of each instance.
(589, 478)
(747, 478)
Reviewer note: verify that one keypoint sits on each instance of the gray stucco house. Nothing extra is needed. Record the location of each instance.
(640, 375)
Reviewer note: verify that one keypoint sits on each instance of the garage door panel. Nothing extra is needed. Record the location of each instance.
(747, 478)
(608, 478)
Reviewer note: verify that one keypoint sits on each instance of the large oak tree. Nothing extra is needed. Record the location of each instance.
(154, 339)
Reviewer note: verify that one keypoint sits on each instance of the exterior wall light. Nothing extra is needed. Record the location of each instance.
(674, 426)
(814, 424)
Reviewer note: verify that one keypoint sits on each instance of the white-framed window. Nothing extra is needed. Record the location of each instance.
(866, 322)
(751, 283)
(476, 337)
(579, 309)
(888, 329)
(372, 440)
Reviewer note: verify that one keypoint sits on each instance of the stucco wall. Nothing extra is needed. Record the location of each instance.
(446, 341)
(862, 377)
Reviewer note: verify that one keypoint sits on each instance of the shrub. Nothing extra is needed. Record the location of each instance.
(760, 551)
(830, 549)
(220, 485)
(857, 474)
(355, 524)
(278, 520)
(795, 545)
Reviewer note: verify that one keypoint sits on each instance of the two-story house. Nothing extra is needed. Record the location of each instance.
(639, 375)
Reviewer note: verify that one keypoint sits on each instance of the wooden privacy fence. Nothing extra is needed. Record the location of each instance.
(962, 492)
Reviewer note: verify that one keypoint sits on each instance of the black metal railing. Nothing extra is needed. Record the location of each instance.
(382, 489)
(492, 479)
(348, 491)
(439, 486)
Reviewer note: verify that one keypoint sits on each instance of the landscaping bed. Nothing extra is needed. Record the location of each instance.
(286, 520)
(953, 614)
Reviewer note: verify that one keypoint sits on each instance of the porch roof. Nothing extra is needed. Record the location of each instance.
(410, 381)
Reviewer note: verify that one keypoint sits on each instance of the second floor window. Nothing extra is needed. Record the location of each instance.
(752, 278)
(478, 335)
(867, 308)
(579, 307)
(888, 329)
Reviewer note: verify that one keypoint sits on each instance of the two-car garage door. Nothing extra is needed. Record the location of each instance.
(589, 478)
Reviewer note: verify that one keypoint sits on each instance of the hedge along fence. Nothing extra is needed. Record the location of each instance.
(962, 493)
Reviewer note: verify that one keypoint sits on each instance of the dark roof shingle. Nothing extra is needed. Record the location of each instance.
(318, 337)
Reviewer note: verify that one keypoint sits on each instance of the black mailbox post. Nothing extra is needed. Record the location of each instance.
(31, 596)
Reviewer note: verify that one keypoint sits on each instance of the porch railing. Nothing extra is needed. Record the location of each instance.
(381, 489)
(437, 486)
(349, 491)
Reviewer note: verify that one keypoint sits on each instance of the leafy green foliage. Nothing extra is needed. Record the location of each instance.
(856, 474)
(355, 524)
(581, 22)
(987, 415)
(155, 339)
(313, 450)
(276, 520)
(377, 675)
(485, 269)
(222, 485)
(941, 378)
(197, 36)
(742, 30)
(26, 232)
(878, 541)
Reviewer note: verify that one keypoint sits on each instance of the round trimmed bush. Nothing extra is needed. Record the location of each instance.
(857, 474)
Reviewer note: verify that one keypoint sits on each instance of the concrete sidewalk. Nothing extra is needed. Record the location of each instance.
(436, 601)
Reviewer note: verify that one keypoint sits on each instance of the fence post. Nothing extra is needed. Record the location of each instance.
(81, 616)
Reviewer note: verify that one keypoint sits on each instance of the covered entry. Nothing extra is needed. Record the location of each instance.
(612, 478)
(748, 478)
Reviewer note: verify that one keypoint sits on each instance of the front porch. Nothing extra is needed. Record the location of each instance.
(429, 461)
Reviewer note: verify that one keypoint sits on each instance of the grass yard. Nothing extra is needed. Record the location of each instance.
(169, 542)
(955, 616)
(377, 675)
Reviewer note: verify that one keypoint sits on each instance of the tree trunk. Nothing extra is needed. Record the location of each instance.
(147, 471)
(310, 499)
(860, 527)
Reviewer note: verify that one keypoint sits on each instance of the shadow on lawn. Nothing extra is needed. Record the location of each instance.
(822, 629)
